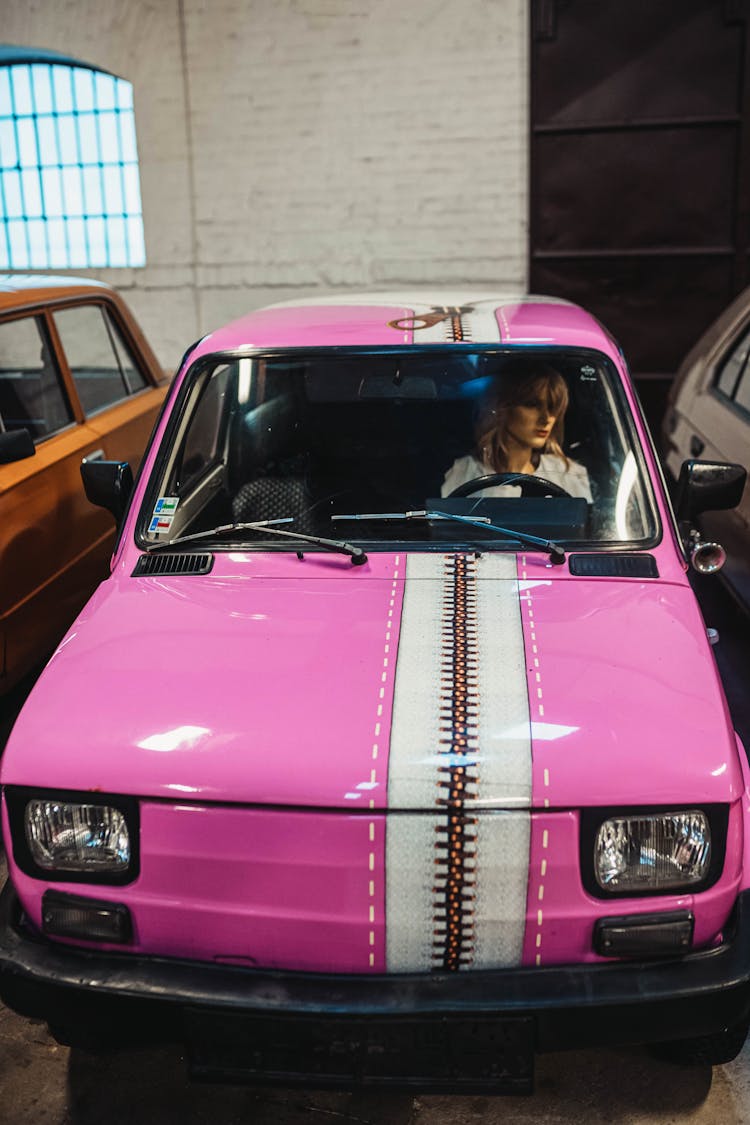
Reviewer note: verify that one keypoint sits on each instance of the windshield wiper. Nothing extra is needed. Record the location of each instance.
(555, 551)
(356, 554)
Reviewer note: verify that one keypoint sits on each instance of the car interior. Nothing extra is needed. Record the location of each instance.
(316, 438)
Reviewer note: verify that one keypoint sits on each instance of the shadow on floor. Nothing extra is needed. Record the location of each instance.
(582, 1086)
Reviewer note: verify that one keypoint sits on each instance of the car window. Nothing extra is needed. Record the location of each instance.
(200, 446)
(322, 436)
(103, 370)
(742, 392)
(732, 374)
(32, 396)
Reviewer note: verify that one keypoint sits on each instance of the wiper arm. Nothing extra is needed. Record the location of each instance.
(555, 551)
(356, 554)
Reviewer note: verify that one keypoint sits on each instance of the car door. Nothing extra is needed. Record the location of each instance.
(118, 396)
(92, 388)
(42, 545)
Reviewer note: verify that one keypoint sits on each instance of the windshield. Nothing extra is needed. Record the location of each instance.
(538, 442)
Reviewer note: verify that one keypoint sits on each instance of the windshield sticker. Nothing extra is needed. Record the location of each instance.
(166, 505)
(160, 524)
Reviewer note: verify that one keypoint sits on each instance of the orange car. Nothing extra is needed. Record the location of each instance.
(77, 380)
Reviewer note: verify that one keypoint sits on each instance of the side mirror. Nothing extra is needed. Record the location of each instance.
(108, 484)
(15, 445)
(708, 486)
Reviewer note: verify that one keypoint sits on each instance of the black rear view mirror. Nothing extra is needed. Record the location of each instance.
(708, 486)
(15, 445)
(108, 484)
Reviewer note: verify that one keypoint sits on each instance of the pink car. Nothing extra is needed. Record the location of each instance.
(393, 750)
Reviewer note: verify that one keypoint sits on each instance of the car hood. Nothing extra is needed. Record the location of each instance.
(404, 684)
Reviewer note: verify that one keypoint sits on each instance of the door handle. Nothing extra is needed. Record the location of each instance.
(95, 455)
(696, 446)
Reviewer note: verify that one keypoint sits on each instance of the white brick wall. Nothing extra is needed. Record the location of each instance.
(303, 146)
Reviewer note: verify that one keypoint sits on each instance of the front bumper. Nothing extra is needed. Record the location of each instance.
(461, 1031)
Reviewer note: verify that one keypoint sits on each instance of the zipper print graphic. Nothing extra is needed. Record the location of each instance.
(451, 316)
(456, 838)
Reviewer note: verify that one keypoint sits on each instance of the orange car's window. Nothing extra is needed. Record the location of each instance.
(103, 370)
(133, 377)
(31, 391)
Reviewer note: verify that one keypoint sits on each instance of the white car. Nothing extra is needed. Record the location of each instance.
(708, 418)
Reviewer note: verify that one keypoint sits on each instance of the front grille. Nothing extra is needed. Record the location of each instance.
(173, 564)
(614, 566)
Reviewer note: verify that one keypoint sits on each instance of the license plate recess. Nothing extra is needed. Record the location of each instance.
(437, 1053)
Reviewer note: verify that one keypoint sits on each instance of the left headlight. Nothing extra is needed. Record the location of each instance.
(74, 835)
(654, 852)
(64, 836)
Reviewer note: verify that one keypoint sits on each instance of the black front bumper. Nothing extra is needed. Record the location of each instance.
(466, 1031)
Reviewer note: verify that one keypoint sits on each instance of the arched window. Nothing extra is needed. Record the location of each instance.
(70, 193)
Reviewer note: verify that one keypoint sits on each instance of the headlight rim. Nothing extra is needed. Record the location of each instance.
(591, 820)
(16, 799)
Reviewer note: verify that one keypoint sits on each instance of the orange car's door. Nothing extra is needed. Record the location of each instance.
(98, 399)
(44, 569)
(117, 396)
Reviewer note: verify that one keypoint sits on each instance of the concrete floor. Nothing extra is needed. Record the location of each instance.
(42, 1083)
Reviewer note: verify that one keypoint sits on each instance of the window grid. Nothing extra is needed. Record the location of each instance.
(69, 186)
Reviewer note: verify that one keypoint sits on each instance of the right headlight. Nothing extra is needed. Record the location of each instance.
(652, 852)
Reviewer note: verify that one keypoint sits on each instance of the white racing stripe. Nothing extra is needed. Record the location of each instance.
(429, 314)
(459, 775)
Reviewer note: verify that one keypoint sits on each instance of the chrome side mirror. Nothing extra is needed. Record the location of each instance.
(706, 486)
(706, 557)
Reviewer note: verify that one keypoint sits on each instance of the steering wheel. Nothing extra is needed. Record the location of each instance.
(528, 483)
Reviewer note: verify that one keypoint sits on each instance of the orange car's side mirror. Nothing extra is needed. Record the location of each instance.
(15, 445)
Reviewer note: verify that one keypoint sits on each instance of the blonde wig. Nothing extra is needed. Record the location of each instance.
(520, 384)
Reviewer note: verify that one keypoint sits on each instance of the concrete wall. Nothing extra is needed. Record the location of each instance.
(295, 147)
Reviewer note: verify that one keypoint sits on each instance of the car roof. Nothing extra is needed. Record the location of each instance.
(18, 290)
(413, 317)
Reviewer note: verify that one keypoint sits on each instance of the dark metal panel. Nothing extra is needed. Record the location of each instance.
(612, 190)
(640, 167)
(637, 59)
